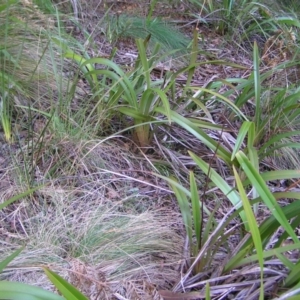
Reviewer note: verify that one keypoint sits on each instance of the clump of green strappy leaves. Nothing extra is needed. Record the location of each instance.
(248, 248)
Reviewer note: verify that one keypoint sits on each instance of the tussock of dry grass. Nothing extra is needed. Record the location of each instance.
(94, 222)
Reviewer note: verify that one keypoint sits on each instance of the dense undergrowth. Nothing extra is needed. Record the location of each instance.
(144, 157)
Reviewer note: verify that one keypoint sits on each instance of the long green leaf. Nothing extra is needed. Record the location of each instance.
(149, 103)
(132, 112)
(253, 229)
(228, 191)
(294, 276)
(257, 84)
(193, 60)
(85, 67)
(175, 183)
(146, 102)
(18, 197)
(278, 175)
(271, 224)
(66, 289)
(21, 291)
(144, 61)
(8, 259)
(117, 80)
(206, 125)
(223, 99)
(240, 138)
(165, 102)
(253, 157)
(281, 174)
(289, 21)
(282, 145)
(264, 192)
(295, 222)
(266, 255)
(207, 291)
(118, 70)
(198, 133)
(277, 138)
(197, 217)
(185, 211)
(79, 59)
(290, 294)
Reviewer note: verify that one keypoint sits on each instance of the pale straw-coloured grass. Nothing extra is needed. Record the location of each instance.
(94, 229)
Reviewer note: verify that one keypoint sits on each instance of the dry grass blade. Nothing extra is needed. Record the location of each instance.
(167, 295)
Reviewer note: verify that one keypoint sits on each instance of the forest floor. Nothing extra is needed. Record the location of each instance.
(101, 218)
